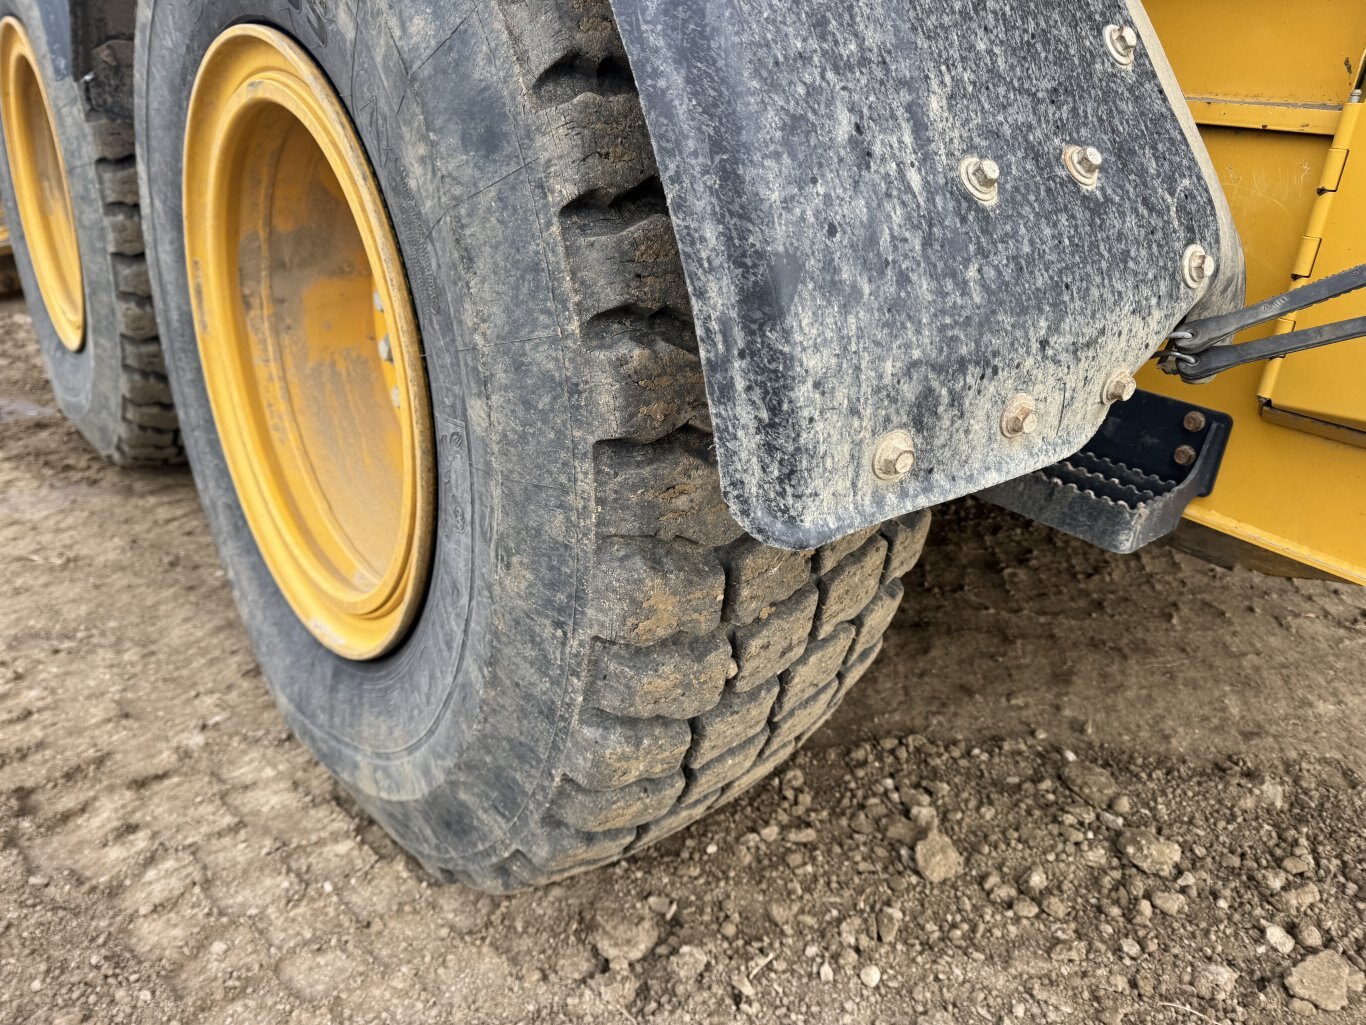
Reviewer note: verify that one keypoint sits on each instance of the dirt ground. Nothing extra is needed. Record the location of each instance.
(1076, 788)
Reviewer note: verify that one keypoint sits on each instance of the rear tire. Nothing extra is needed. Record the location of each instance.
(603, 655)
(114, 386)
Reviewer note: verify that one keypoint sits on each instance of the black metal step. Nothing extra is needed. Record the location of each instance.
(1131, 485)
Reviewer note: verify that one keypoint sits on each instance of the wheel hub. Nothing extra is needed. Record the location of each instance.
(310, 347)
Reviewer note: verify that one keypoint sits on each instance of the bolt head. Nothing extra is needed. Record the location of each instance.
(1083, 163)
(1122, 42)
(982, 176)
(1119, 387)
(1021, 417)
(1184, 455)
(1194, 421)
(1197, 266)
(386, 350)
(894, 456)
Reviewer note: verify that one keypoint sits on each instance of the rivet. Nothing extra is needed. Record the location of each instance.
(1021, 416)
(386, 350)
(1184, 455)
(1194, 421)
(1083, 163)
(982, 176)
(894, 456)
(1122, 42)
(1197, 266)
(1119, 387)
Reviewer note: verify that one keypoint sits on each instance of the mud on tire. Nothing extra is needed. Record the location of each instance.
(114, 389)
(603, 655)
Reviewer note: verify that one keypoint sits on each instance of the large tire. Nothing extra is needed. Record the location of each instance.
(114, 387)
(603, 654)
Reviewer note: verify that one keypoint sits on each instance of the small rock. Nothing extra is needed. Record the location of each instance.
(1309, 936)
(1170, 903)
(1302, 1007)
(1121, 805)
(218, 948)
(1279, 939)
(1296, 899)
(1056, 908)
(1295, 866)
(768, 834)
(39, 881)
(1215, 982)
(1033, 882)
(1090, 782)
(1149, 853)
(688, 964)
(1320, 979)
(870, 975)
(937, 858)
(910, 831)
(827, 974)
(889, 921)
(621, 937)
(1025, 908)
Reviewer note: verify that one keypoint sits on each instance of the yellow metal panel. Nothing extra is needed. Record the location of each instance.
(1330, 384)
(1300, 494)
(1306, 51)
(1313, 118)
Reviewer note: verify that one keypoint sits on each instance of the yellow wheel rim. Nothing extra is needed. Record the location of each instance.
(309, 344)
(40, 185)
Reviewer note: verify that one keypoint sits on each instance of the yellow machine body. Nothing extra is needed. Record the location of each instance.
(1272, 86)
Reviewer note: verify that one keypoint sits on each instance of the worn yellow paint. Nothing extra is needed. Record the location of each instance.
(1298, 493)
(1312, 119)
(4, 236)
(41, 191)
(310, 347)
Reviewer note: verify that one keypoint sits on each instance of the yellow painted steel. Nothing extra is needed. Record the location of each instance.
(4, 236)
(1268, 82)
(310, 347)
(41, 193)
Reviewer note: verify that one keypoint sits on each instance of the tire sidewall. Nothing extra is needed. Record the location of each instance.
(449, 740)
(88, 382)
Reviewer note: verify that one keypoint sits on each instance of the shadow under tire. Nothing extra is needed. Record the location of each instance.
(99, 343)
(601, 655)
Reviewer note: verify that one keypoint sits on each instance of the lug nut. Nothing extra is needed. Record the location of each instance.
(386, 350)
(1122, 42)
(1083, 163)
(1120, 387)
(982, 176)
(1197, 266)
(894, 456)
(1184, 455)
(1021, 417)
(1194, 421)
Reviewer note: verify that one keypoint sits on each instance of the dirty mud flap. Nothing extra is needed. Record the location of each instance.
(846, 281)
(1132, 482)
